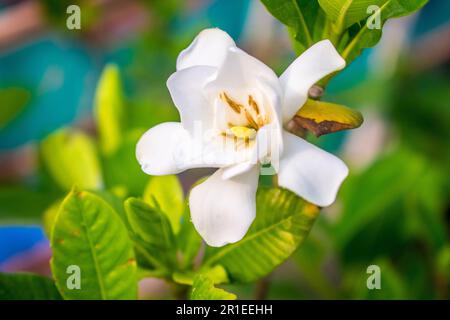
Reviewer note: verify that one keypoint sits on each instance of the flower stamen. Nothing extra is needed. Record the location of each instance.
(232, 104)
(251, 121)
(253, 104)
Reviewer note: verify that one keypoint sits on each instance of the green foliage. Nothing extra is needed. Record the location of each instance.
(344, 22)
(203, 289)
(121, 169)
(305, 19)
(23, 286)
(109, 110)
(399, 194)
(71, 159)
(89, 234)
(344, 13)
(166, 192)
(188, 241)
(392, 282)
(49, 217)
(420, 116)
(282, 222)
(13, 101)
(311, 259)
(392, 212)
(152, 235)
(366, 38)
(20, 204)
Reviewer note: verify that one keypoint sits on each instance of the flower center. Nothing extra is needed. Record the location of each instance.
(243, 132)
(244, 120)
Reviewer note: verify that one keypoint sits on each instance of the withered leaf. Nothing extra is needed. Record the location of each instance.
(324, 117)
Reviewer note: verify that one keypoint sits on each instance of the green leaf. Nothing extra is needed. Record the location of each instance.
(283, 220)
(366, 38)
(324, 117)
(89, 234)
(203, 289)
(12, 102)
(166, 193)
(23, 286)
(188, 241)
(115, 199)
(49, 217)
(347, 12)
(20, 204)
(304, 18)
(396, 202)
(109, 109)
(217, 274)
(71, 159)
(152, 235)
(374, 191)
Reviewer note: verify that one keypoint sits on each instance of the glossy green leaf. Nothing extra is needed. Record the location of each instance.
(344, 13)
(71, 159)
(12, 101)
(152, 235)
(283, 220)
(366, 38)
(304, 18)
(203, 289)
(89, 234)
(166, 193)
(109, 109)
(24, 286)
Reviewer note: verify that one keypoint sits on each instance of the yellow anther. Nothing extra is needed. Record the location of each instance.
(243, 132)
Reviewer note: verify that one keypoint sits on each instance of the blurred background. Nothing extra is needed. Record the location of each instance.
(393, 210)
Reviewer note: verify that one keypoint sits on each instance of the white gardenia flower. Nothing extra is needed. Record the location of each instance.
(233, 108)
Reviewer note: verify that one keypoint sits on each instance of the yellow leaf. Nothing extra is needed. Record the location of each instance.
(324, 117)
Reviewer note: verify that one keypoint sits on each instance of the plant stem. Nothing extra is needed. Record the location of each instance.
(262, 288)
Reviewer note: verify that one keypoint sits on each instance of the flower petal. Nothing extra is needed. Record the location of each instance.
(239, 70)
(237, 169)
(241, 76)
(168, 148)
(222, 210)
(187, 90)
(209, 48)
(310, 172)
(157, 149)
(314, 64)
